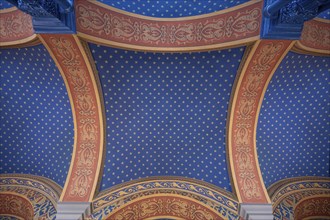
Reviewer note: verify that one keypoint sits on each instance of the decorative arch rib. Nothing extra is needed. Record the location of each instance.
(73, 62)
(260, 64)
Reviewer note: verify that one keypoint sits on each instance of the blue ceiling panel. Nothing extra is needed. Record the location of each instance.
(4, 4)
(293, 128)
(166, 113)
(172, 8)
(36, 131)
(325, 14)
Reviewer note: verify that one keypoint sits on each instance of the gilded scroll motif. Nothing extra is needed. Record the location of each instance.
(11, 204)
(315, 206)
(97, 21)
(316, 35)
(262, 63)
(15, 25)
(70, 57)
(164, 206)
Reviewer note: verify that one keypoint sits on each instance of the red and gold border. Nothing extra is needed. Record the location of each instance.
(314, 206)
(84, 94)
(170, 206)
(247, 97)
(315, 37)
(12, 204)
(15, 28)
(103, 24)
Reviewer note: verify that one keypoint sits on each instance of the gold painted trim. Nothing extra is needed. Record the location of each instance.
(206, 185)
(257, 116)
(220, 46)
(311, 197)
(73, 115)
(6, 10)
(301, 190)
(309, 50)
(233, 105)
(174, 189)
(323, 20)
(164, 216)
(186, 18)
(317, 217)
(159, 195)
(18, 42)
(98, 94)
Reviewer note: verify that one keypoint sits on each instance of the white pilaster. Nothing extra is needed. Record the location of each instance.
(256, 211)
(72, 210)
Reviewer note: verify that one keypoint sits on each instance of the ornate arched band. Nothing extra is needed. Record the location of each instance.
(12, 204)
(15, 27)
(157, 206)
(84, 94)
(314, 206)
(41, 193)
(219, 201)
(251, 84)
(288, 195)
(106, 25)
(315, 37)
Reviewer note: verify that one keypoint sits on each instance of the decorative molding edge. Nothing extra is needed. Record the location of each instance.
(73, 210)
(315, 37)
(38, 190)
(256, 211)
(216, 199)
(156, 206)
(14, 204)
(313, 206)
(103, 24)
(246, 100)
(287, 194)
(84, 94)
(15, 28)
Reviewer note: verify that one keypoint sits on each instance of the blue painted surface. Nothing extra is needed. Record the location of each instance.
(166, 113)
(293, 128)
(325, 14)
(4, 4)
(36, 131)
(172, 8)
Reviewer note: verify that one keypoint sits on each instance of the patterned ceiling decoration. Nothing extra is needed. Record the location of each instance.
(106, 25)
(293, 127)
(4, 4)
(12, 204)
(290, 195)
(41, 193)
(36, 132)
(172, 8)
(119, 199)
(315, 37)
(74, 60)
(259, 65)
(16, 28)
(166, 113)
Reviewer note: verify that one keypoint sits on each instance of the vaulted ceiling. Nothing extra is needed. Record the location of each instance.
(165, 113)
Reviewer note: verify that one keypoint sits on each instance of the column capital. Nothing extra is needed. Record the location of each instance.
(73, 210)
(251, 211)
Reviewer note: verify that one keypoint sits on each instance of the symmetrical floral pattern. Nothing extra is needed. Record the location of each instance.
(245, 109)
(220, 202)
(287, 195)
(110, 25)
(164, 206)
(316, 34)
(15, 25)
(12, 204)
(315, 206)
(42, 193)
(80, 85)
